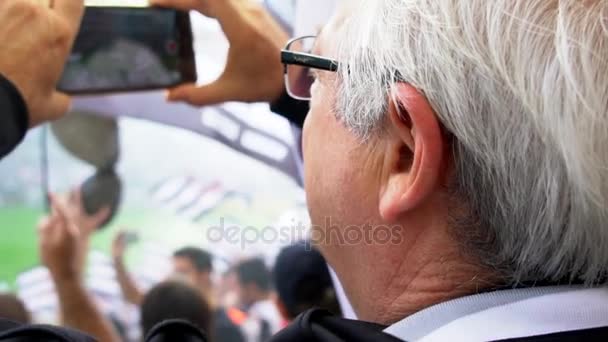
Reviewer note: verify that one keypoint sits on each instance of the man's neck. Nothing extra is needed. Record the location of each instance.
(430, 271)
(433, 283)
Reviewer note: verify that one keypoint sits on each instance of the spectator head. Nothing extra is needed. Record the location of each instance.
(195, 265)
(254, 281)
(459, 138)
(12, 308)
(303, 282)
(175, 300)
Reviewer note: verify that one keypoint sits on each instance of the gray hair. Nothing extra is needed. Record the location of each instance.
(522, 85)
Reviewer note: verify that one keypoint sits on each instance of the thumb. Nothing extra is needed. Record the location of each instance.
(56, 208)
(206, 95)
(57, 107)
(70, 10)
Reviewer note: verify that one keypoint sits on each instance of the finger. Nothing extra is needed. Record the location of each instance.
(71, 11)
(58, 106)
(122, 235)
(44, 224)
(76, 200)
(198, 96)
(48, 225)
(71, 199)
(101, 216)
(57, 208)
(52, 200)
(60, 208)
(66, 203)
(45, 221)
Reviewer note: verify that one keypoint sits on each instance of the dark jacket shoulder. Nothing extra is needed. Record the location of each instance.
(322, 326)
(13, 117)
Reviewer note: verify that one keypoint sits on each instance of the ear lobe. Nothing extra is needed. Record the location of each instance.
(420, 133)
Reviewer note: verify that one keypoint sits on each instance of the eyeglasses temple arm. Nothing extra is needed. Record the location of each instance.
(307, 60)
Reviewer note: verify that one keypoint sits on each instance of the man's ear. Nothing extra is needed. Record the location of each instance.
(415, 156)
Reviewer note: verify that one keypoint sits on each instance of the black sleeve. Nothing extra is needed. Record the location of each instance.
(13, 117)
(293, 110)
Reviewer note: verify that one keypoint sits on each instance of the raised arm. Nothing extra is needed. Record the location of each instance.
(60, 251)
(130, 291)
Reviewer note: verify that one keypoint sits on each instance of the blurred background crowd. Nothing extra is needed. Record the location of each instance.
(145, 214)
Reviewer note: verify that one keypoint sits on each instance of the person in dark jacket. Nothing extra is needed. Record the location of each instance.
(175, 300)
(303, 282)
(36, 38)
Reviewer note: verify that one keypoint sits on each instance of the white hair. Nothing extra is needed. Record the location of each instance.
(522, 85)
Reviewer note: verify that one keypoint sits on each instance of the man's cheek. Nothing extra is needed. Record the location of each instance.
(304, 141)
(314, 92)
(310, 136)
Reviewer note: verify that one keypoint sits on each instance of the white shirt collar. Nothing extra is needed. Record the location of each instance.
(507, 314)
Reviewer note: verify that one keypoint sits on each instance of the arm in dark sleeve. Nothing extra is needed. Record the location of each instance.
(13, 117)
(293, 110)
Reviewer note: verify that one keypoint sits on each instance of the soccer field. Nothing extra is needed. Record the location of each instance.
(18, 241)
(151, 155)
(19, 244)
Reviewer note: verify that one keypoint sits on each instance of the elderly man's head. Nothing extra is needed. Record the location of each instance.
(477, 130)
